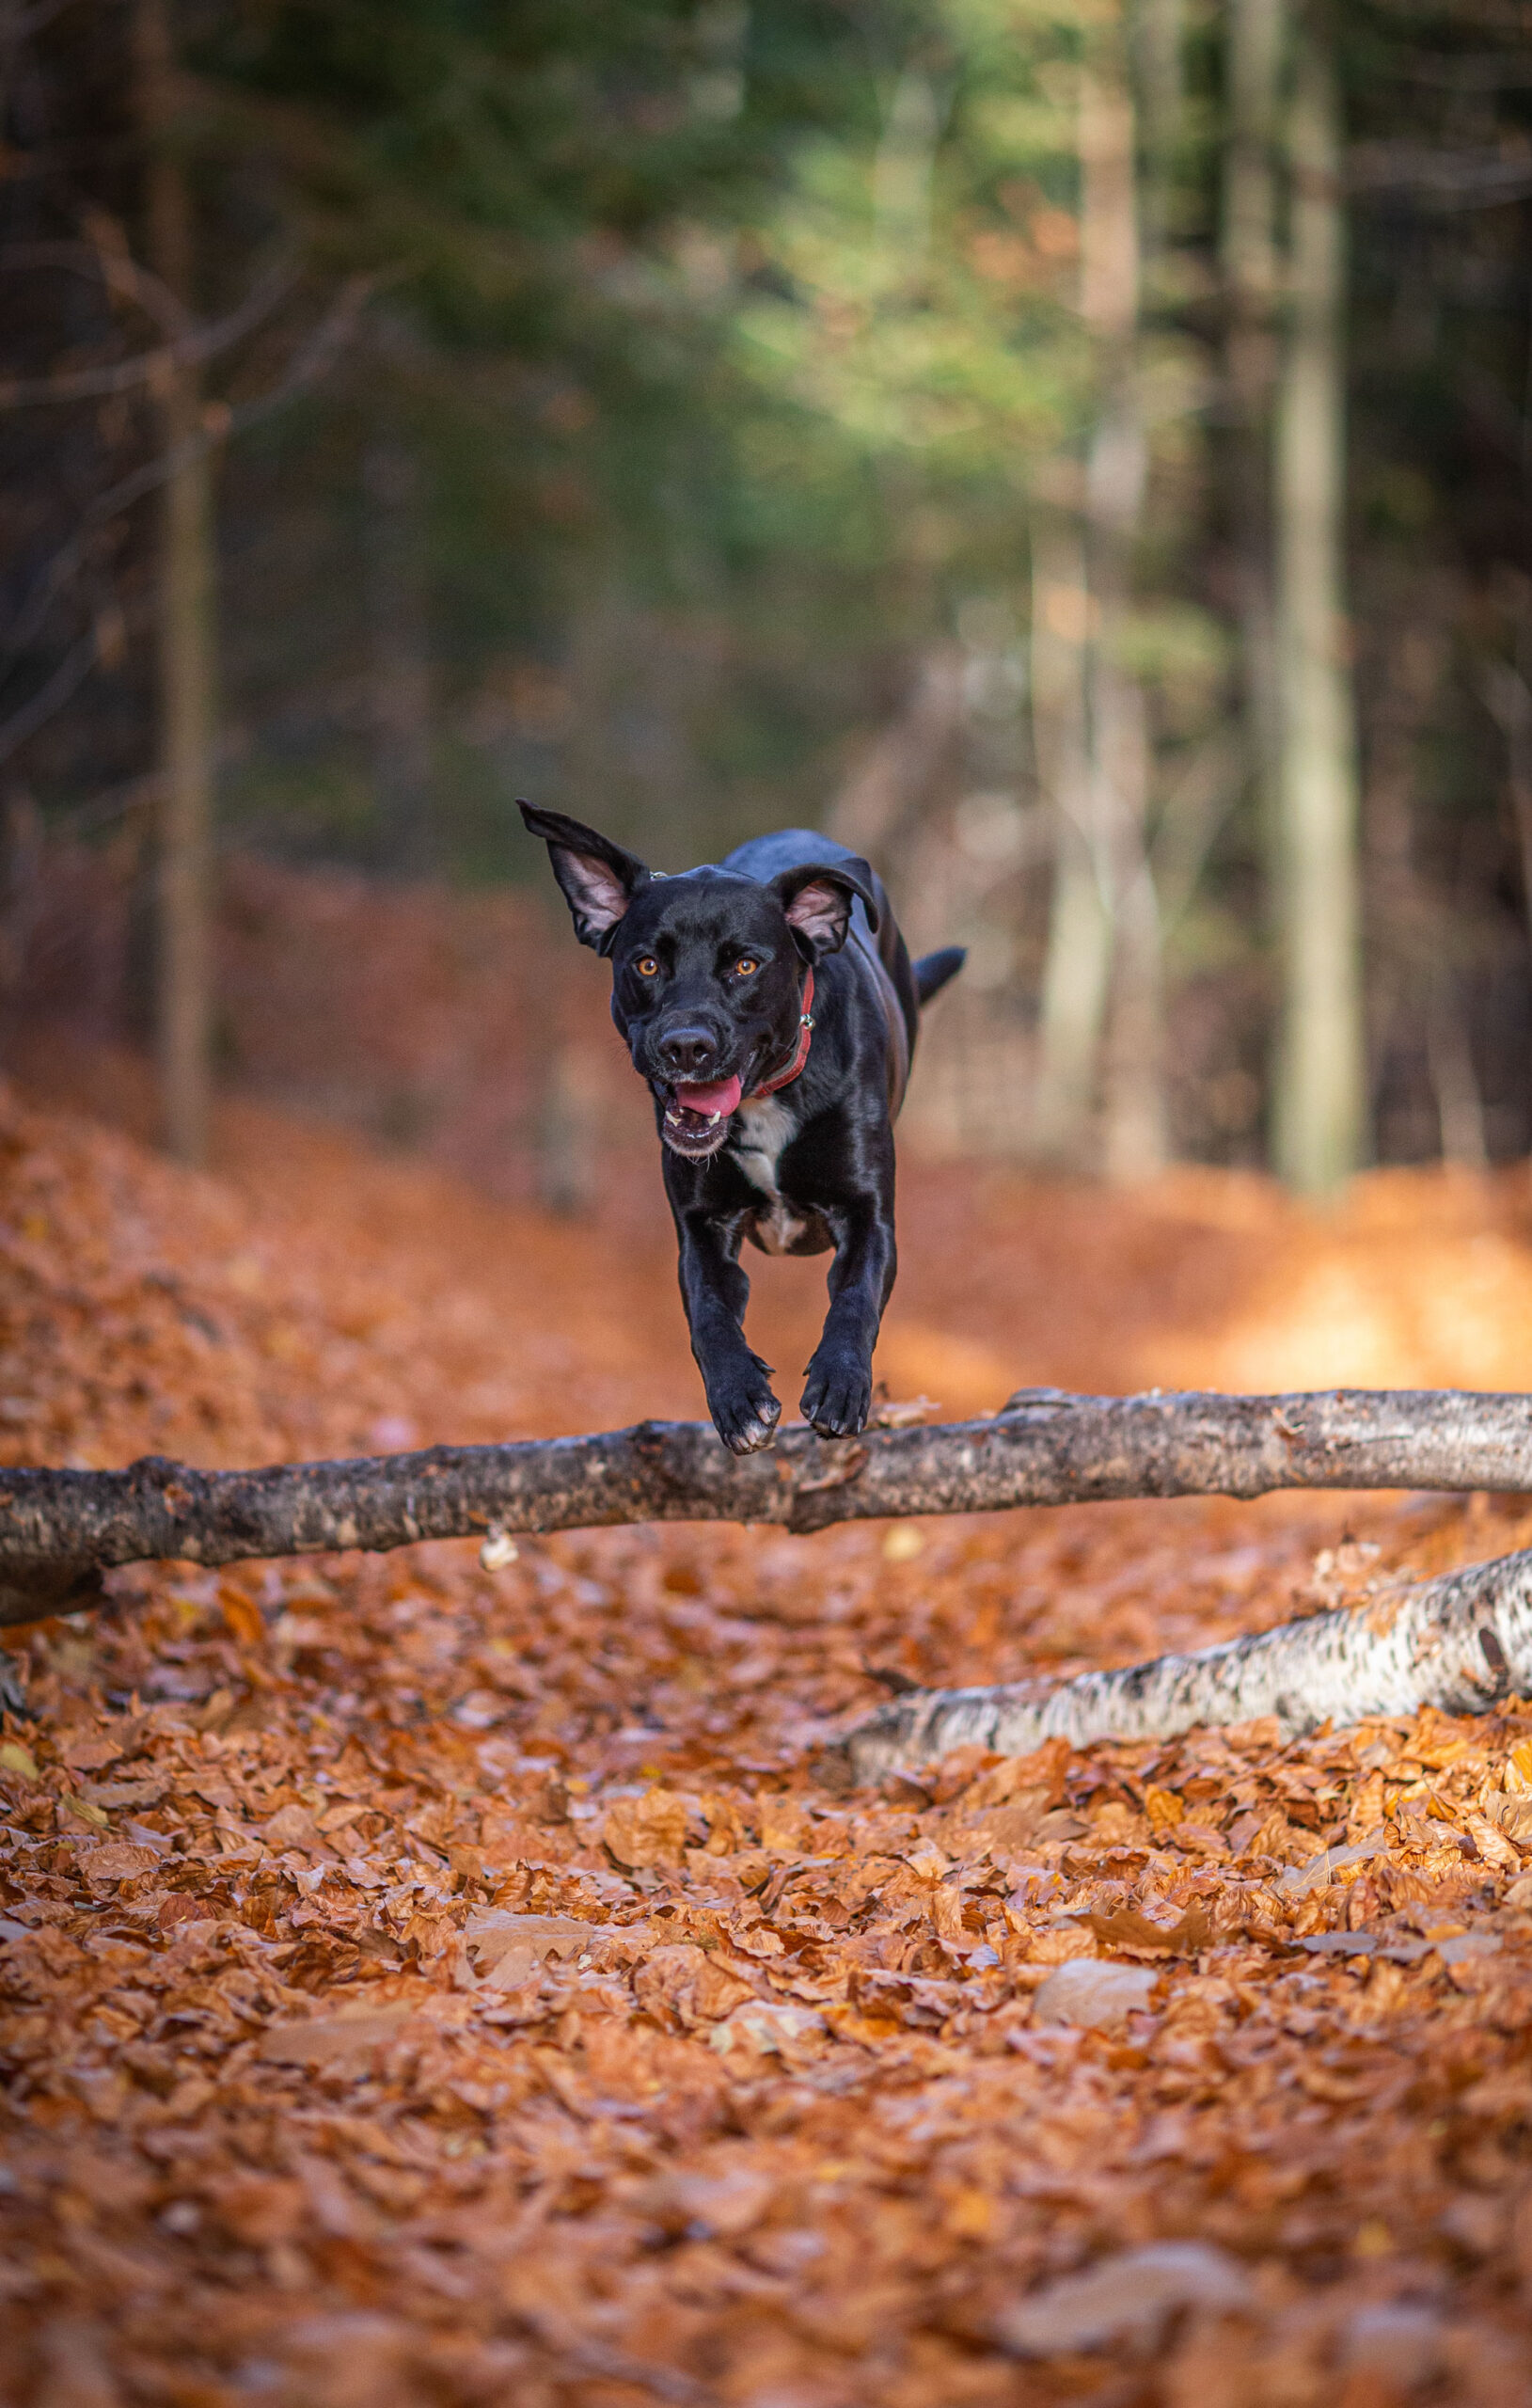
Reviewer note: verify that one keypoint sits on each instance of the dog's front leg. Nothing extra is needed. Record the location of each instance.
(838, 1396)
(715, 1292)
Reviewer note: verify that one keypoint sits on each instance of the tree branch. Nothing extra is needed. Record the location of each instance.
(310, 362)
(1463, 1643)
(193, 348)
(59, 1531)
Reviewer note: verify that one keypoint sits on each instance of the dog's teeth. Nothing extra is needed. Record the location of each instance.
(713, 1120)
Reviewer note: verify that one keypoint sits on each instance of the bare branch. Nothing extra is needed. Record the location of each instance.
(110, 259)
(1448, 179)
(51, 695)
(146, 366)
(311, 361)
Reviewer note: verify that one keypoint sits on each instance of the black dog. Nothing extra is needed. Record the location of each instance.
(772, 1007)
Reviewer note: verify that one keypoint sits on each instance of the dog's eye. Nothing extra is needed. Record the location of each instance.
(647, 966)
(747, 965)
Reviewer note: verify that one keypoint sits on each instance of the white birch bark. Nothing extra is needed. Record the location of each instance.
(1461, 1643)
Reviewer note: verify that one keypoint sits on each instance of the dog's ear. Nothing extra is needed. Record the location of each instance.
(817, 899)
(598, 878)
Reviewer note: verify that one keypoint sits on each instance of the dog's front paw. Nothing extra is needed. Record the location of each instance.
(839, 1395)
(745, 1411)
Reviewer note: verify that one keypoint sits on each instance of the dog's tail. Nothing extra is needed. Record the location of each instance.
(933, 969)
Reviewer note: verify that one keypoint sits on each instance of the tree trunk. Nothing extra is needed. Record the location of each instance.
(1449, 1058)
(398, 611)
(1079, 964)
(1462, 1644)
(60, 1529)
(1133, 1103)
(1509, 699)
(1319, 1121)
(892, 783)
(1159, 44)
(185, 630)
(1256, 42)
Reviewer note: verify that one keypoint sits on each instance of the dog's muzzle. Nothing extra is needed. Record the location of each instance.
(698, 1114)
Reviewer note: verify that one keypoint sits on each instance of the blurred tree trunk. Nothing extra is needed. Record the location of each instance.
(1134, 1101)
(1256, 46)
(1509, 698)
(401, 666)
(1078, 967)
(1160, 33)
(891, 783)
(187, 642)
(1320, 1103)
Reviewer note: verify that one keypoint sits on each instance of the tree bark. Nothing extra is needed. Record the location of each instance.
(1256, 44)
(59, 1531)
(1321, 1081)
(1133, 1130)
(1078, 967)
(398, 614)
(891, 785)
(1159, 45)
(1462, 1644)
(186, 638)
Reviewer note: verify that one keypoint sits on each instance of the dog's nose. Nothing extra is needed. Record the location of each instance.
(689, 1053)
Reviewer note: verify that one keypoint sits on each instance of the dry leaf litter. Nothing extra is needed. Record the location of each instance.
(431, 1985)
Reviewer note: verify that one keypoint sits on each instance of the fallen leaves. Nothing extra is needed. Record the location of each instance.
(425, 1985)
(1096, 1996)
(647, 1831)
(505, 1947)
(345, 2043)
(1128, 2300)
(685, 1987)
(1125, 1928)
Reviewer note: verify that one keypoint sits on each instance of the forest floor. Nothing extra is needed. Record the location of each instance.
(426, 1984)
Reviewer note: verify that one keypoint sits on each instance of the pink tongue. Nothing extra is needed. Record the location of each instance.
(723, 1096)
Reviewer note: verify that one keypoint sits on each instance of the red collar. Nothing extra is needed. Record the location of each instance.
(805, 1035)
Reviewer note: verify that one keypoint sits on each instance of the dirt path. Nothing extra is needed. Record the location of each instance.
(426, 1984)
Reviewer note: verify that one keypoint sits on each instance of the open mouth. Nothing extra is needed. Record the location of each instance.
(697, 1118)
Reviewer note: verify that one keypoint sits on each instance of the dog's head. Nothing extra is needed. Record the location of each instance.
(707, 967)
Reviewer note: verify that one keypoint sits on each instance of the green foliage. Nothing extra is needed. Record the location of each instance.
(735, 346)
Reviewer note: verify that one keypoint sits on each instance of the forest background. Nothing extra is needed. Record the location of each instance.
(1078, 451)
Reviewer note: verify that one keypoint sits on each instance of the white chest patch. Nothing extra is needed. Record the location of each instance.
(763, 1129)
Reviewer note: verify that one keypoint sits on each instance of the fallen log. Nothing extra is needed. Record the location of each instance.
(1461, 1643)
(61, 1530)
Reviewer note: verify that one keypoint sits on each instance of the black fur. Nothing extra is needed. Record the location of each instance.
(808, 1169)
(933, 969)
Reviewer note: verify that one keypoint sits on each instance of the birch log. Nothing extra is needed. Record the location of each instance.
(1461, 1643)
(59, 1531)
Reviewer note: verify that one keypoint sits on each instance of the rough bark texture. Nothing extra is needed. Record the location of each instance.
(1461, 1644)
(61, 1530)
